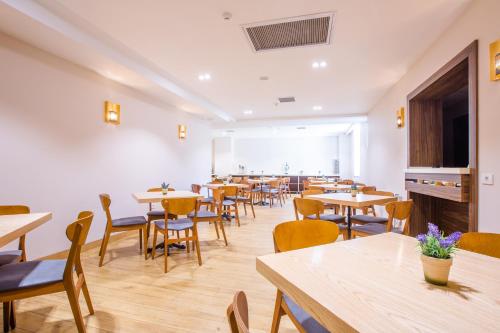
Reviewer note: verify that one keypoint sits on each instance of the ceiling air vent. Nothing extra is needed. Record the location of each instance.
(286, 99)
(290, 32)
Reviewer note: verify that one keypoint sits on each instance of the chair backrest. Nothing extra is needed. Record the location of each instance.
(481, 242)
(14, 210)
(275, 184)
(196, 188)
(366, 189)
(230, 191)
(237, 313)
(384, 193)
(236, 180)
(399, 210)
(311, 192)
(77, 233)
(306, 184)
(294, 235)
(180, 206)
(306, 207)
(106, 203)
(217, 181)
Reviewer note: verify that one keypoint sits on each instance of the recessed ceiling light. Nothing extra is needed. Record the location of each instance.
(264, 78)
(317, 108)
(301, 128)
(319, 64)
(247, 112)
(204, 77)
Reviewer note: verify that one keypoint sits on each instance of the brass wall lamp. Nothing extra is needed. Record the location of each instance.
(111, 113)
(400, 117)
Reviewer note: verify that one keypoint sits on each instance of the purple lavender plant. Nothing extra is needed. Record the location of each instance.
(435, 244)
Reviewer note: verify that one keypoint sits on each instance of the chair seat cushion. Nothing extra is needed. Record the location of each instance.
(180, 224)
(309, 324)
(31, 274)
(156, 213)
(204, 214)
(329, 217)
(373, 228)
(271, 190)
(228, 202)
(128, 221)
(234, 198)
(368, 219)
(10, 257)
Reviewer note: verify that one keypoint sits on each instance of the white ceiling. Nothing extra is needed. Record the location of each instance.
(373, 45)
(285, 131)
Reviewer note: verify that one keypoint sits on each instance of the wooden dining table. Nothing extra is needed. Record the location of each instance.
(154, 197)
(358, 201)
(376, 284)
(331, 187)
(12, 227)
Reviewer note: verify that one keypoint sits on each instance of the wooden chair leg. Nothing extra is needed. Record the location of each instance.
(216, 230)
(253, 211)
(186, 234)
(6, 316)
(155, 235)
(145, 240)
(22, 247)
(12, 315)
(104, 245)
(86, 294)
(140, 241)
(223, 231)
(278, 312)
(75, 307)
(195, 235)
(237, 215)
(245, 208)
(166, 252)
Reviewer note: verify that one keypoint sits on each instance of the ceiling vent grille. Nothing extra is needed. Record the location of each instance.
(290, 32)
(286, 99)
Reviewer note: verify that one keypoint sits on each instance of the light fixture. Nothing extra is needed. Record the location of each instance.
(111, 113)
(317, 108)
(319, 64)
(204, 77)
(182, 131)
(247, 112)
(495, 61)
(400, 117)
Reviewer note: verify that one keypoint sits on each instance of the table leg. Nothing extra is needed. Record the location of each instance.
(348, 222)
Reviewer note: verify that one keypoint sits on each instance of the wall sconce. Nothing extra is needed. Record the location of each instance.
(495, 61)
(400, 118)
(111, 113)
(182, 131)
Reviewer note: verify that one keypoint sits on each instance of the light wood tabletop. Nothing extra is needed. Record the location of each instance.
(215, 186)
(152, 197)
(261, 180)
(376, 284)
(331, 187)
(346, 199)
(14, 226)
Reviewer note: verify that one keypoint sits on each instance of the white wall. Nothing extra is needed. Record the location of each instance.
(58, 154)
(387, 145)
(310, 154)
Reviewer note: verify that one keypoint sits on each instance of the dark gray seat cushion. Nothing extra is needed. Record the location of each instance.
(180, 224)
(203, 214)
(127, 221)
(373, 228)
(31, 274)
(156, 213)
(234, 198)
(9, 257)
(329, 217)
(271, 190)
(309, 324)
(228, 202)
(368, 219)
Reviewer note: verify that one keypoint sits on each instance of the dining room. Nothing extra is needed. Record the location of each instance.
(217, 166)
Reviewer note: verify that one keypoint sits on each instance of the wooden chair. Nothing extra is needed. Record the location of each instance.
(285, 187)
(246, 197)
(196, 188)
(12, 256)
(35, 278)
(306, 193)
(273, 192)
(230, 203)
(397, 210)
(123, 224)
(481, 242)
(296, 235)
(237, 314)
(212, 216)
(312, 209)
(366, 217)
(306, 183)
(178, 207)
(346, 182)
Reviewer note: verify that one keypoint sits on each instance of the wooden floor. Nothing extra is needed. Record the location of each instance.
(134, 295)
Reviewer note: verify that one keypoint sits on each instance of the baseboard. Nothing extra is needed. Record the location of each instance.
(89, 246)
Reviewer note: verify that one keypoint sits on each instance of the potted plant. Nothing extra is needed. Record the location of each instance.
(164, 188)
(436, 254)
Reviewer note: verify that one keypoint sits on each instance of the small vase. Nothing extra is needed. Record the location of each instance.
(164, 191)
(354, 193)
(436, 271)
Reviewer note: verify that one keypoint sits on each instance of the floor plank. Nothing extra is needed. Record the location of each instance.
(133, 295)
